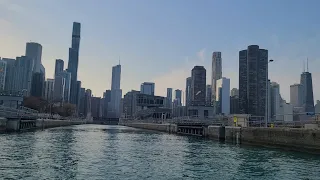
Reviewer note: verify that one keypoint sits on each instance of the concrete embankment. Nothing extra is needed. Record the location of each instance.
(291, 138)
(21, 125)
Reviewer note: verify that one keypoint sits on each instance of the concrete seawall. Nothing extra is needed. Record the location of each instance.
(291, 138)
(43, 124)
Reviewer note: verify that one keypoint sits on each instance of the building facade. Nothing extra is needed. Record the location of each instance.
(178, 96)
(307, 92)
(208, 94)
(37, 84)
(3, 73)
(169, 98)
(10, 74)
(116, 92)
(58, 67)
(23, 75)
(34, 52)
(234, 92)
(296, 95)
(49, 89)
(188, 91)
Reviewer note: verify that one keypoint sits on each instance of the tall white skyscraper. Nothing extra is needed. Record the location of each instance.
(296, 95)
(216, 73)
(116, 92)
(3, 70)
(147, 88)
(223, 96)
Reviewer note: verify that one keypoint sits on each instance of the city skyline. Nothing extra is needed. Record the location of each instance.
(55, 45)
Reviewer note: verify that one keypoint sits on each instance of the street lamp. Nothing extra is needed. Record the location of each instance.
(267, 93)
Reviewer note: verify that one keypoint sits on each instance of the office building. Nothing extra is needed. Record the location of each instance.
(234, 104)
(3, 73)
(87, 103)
(253, 73)
(208, 94)
(96, 108)
(178, 96)
(74, 62)
(23, 75)
(234, 92)
(307, 92)
(317, 107)
(59, 87)
(67, 85)
(216, 73)
(198, 86)
(116, 92)
(147, 88)
(296, 95)
(58, 67)
(49, 89)
(82, 108)
(188, 90)
(223, 96)
(10, 73)
(37, 84)
(34, 52)
(106, 102)
(130, 103)
(169, 98)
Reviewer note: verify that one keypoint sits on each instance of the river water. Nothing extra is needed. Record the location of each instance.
(92, 152)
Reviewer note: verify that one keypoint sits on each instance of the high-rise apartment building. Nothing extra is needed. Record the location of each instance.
(67, 85)
(10, 74)
(188, 91)
(296, 95)
(87, 103)
(106, 102)
(34, 51)
(276, 100)
(59, 87)
(307, 92)
(147, 88)
(178, 96)
(49, 89)
(74, 62)
(3, 73)
(81, 108)
(253, 73)
(216, 73)
(198, 86)
(223, 96)
(58, 67)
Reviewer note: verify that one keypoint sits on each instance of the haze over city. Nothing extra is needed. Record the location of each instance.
(160, 41)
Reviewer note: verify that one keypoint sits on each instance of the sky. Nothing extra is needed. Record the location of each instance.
(161, 40)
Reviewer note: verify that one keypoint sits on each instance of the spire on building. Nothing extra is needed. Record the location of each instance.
(307, 65)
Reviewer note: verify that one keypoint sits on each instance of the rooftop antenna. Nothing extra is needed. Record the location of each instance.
(307, 65)
(119, 60)
(304, 68)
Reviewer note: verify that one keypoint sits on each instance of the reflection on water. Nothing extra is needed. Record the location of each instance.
(116, 152)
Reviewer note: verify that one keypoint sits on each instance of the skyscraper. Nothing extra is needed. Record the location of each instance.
(58, 67)
(253, 71)
(198, 86)
(74, 61)
(67, 85)
(178, 96)
(3, 73)
(234, 92)
(296, 95)
(216, 73)
(223, 96)
(275, 112)
(307, 92)
(147, 88)
(59, 87)
(188, 91)
(116, 92)
(169, 98)
(10, 74)
(34, 51)
(23, 75)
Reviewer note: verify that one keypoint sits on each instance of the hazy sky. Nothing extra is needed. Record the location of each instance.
(161, 40)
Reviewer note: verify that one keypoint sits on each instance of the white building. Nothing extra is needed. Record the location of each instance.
(49, 89)
(223, 96)
(287, 111)
(3, 72)
(147, 88)
(296, 95)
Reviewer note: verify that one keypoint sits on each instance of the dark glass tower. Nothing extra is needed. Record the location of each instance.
(74, 61)
(307, 91)
(198, 86)
(253, 64)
